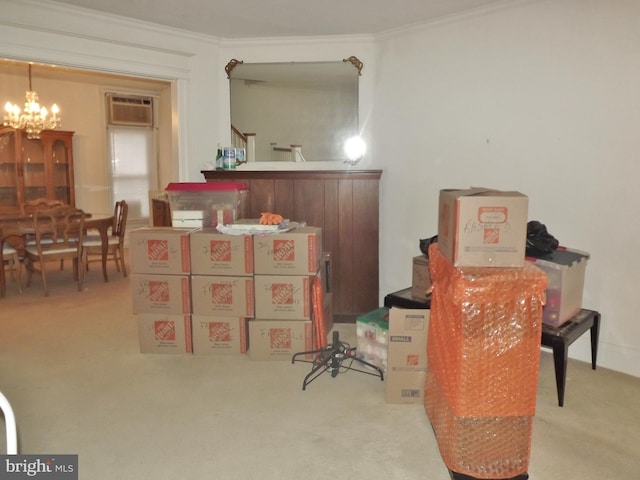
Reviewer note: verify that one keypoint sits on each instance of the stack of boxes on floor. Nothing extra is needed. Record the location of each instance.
(161, 289)
(286, 267)
(202, 292)
(484, 335)
(395, 340)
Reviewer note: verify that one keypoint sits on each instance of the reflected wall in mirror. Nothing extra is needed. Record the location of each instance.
(309, 104)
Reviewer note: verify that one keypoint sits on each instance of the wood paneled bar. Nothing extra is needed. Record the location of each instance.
(344, 203)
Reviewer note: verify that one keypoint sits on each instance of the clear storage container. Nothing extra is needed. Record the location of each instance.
(565, 269)
(206, 204)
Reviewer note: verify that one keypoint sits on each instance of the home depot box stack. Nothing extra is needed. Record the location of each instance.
(222, 290)
(484, 334)
(287, 273)
(407, 355)
(194, 291)
(161, 288)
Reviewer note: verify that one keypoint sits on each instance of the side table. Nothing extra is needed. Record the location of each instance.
(559, 339)
(556, 338)
(404, 299)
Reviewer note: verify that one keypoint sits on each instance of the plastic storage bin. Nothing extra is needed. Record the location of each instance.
(206, 204)
(565, 269)
(372, 332)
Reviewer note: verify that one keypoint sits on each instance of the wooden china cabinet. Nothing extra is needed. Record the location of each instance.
(35, 168)
(344, 203)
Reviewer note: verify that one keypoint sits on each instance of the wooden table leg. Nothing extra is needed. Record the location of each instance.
(105, 251)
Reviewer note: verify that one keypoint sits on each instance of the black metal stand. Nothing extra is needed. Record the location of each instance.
(331, 358)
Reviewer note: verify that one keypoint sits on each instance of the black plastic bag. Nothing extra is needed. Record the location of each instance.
(539, 241)
(425, 242)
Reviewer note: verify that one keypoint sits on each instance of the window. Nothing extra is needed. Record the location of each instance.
(132, 154)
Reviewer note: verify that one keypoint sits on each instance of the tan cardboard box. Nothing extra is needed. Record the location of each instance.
(283, 297)
(222, 295)
(214, 253)
(219, 335)
(279, 339)
(161, 333)
(160, 250)
(421, 278)
(298, 252)
(481, 227)
(165, 294)
(405, 385)
(407, 354)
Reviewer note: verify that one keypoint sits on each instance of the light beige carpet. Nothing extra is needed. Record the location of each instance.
(70, 365)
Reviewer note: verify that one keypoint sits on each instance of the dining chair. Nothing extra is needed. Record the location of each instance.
(56, 238)
(40, 204)
(44, 205)
(9, 259)
(115, 248)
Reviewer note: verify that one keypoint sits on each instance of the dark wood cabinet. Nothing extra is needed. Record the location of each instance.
(344, 203)
(35, 168)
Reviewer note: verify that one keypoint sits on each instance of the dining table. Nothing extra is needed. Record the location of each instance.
(101, 223)
(14, 228)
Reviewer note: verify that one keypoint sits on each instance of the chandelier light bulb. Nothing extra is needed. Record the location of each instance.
(34, 118)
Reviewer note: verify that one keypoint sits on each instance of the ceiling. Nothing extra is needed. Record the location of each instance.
(282, 18)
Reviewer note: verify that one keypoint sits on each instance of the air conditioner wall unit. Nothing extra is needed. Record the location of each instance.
(130, 110)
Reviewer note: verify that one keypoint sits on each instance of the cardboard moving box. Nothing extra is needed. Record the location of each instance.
(160, 250)
(480, 227)
(283, 297)
(165, 294)
(279, 339)
(214, 253)
(219, 335)
(160, 333)
(221, 295)
(421, 278)
(297, 252)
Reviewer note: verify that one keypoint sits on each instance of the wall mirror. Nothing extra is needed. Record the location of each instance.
(309, 105)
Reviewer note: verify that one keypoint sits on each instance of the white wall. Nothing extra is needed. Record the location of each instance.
(543, 98)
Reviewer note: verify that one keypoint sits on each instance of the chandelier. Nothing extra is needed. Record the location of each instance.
(34, 118)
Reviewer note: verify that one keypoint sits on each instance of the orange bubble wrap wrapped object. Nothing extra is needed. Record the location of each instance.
(483, 352)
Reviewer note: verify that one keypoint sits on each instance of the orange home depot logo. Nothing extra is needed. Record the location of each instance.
(280, 338)
(222, 293)
(219, 332)
(281, 293)
(158, 250)
(158, 291)
(491, 236)
(284, 250)
(165, 330)
(220, 250)
(413, 360)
